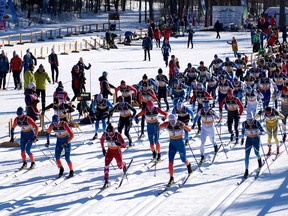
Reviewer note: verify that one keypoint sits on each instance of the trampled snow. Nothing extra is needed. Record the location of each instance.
(212, 192)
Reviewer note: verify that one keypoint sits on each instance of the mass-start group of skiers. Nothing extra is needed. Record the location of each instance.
(231, 85)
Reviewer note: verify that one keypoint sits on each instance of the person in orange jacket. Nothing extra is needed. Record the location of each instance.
(16, 68)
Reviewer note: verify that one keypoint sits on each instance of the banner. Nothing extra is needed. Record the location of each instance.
(227, 15)
(203, 8)
(13, 12)
(2, 8)
(245, 10)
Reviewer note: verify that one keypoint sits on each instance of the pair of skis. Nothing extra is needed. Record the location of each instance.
(256, 171)
(108, 184)
(179, 183)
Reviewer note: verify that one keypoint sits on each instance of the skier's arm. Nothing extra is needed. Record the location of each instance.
(70, 132)
(34, 125)
(121, 140)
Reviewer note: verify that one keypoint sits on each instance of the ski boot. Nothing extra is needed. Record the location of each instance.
(95, 136)
(193, 126)
(237, 141)
(61, 171)
(189, 168)
(278, 150)
(106, 182)
(202, 159)
(269, 151)
(24, 165)
(199, 131)
(284, 138)
(246, 174)
(71, 174)
(232, 137)
(32, 165)
(260, 164)
(154, 154)
(186, 142)
(159, 157)
(171, 181)
(216, 149)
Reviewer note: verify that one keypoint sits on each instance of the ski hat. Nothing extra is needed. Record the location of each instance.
(254, 65)
(99, 97)
(31, 66)
(209, 76)
(199, 86)
(268, 111)
(215, 56)
(227, 59)
(110, 128)
(206, 105)
(60, 84)
(144, 85)
(179, 105)
(41, 65)
(145, 77)
(201, 62)
(160, 71)
(249, 89)
(28, 50)
(31, 85)
(172, 119)
(55, 119)
(20, 111)
(122, 82)
(230, 92)
(150, 105)
(120, 99)
(104, 73)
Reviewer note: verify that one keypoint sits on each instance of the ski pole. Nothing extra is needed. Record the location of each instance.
(194, 157)
(265, 159)
(221, 141)
(52, 154)
(155, 169)
(283, 142)
(44, 153)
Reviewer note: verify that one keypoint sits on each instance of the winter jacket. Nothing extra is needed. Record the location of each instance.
(28, 78)
(41, 78)
(26, 62)
(16, 63)
(147, 43)
(234, 45)
(53, 59)
(166, 49)
(82, 66)
(4, 64)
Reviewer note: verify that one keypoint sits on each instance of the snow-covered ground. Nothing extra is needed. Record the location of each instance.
(212, 192)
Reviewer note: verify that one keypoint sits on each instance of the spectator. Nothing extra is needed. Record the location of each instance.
(218, 27)
(53, 60)
(16, 67)
(157, 36)
(4, 68)
(78, 82)
(190, 37)
(41, 76)
(83, 67)
(166, 49)
(29, 76)
(147, 46)
(105, 86)
(234, 45)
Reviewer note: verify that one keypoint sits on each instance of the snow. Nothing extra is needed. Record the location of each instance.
(212, 192)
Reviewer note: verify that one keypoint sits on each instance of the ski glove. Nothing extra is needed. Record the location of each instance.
(136, 120)
(104, 151)
(117, 143)
(35, 139)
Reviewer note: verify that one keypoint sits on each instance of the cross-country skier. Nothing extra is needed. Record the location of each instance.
(229, 66)
(199, 95)
(60, 109)
(271, 116)
(125, 119)
(29, 133)
(151, 115)
(100, 107)
(166, 49)
(241, 67)
(184, 115)
(252, 129)
(252, 97)
(264, 86)
(207, 115)
(115, 142)
(176, 144)
(216, 63)
(31, 101)
(235, 110)
(284, 108)
(126, 91)
(212, 84)
(223, 86)
(64, 136)
(162, 82)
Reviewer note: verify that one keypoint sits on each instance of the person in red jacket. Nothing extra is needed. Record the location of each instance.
(235, 110)
(16, 68)
(172, 66)
(167, 32)
(157, 36)
(115, 142)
